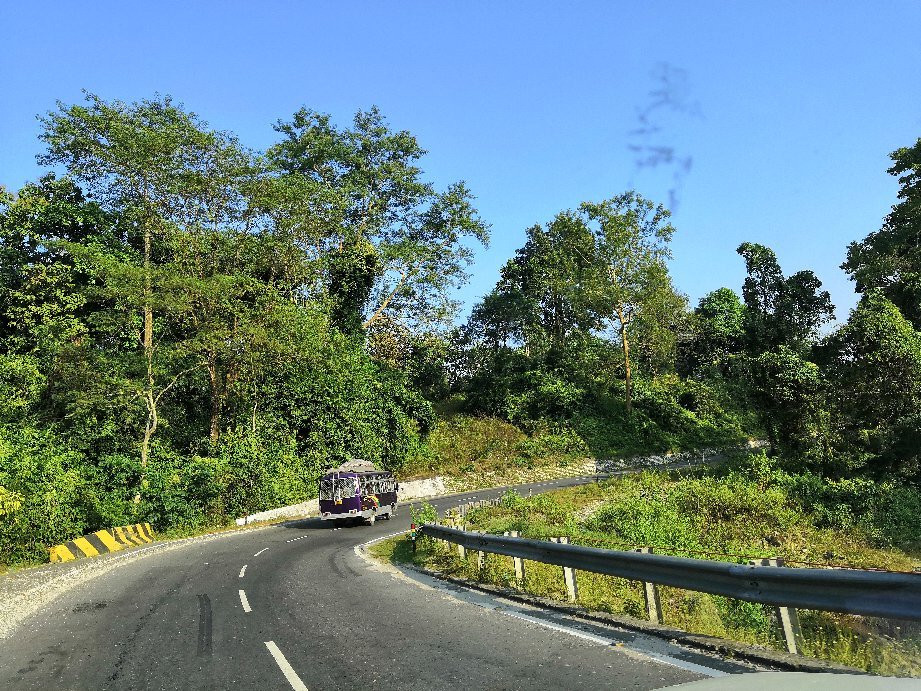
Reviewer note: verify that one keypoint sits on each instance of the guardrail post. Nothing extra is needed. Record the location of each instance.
(519, 563)
(480, 557)
(651, 594)
(452, 520)
(786, 616)
(569, 574)
(461, 550)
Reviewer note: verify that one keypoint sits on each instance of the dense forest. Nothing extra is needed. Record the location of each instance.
(191, 330)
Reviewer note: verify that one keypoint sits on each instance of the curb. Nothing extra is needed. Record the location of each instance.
(102, 542)
(711, 644)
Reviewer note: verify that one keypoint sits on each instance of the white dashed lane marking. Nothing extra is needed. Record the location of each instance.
(260, 551)
(242, 571)
(286, 668)
(245, 602)
(295, 539)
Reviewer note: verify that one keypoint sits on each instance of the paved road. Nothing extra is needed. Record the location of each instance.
(308, 611)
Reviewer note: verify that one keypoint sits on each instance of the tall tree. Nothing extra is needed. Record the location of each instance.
(632, 236)
(541, 298)
(788, 395)
(660, 326)
(599, 268)
(168, 176)
(43, 299)
(889, 260)
(393, 245)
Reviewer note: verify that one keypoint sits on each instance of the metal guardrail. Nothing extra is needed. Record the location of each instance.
(870, 593)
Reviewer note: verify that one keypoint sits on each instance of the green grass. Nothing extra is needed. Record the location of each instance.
(730, 514)
(486, 451)
(462, 444)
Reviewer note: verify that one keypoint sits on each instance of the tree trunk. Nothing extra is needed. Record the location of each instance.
(380, 310)
(150, 427)
(216, 400)
(147, 342)
(628, 373)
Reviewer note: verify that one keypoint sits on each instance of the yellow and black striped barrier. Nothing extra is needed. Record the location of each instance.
(102, 541)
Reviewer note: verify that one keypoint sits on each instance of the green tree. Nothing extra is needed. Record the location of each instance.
(168, 177)
(541, 299)
(632, 236)
(356, 199)
(780, 311)
(889, 260)
(43, 292)
(51, 308)
(788, 394)
(718, 327)
(660, 326)
(595, 271)
(874, 362)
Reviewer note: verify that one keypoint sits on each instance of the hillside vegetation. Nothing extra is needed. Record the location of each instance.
(191, 330)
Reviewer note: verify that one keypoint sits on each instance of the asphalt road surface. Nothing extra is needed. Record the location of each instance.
(297, 606)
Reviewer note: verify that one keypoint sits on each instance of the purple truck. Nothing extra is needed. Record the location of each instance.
(357, 491)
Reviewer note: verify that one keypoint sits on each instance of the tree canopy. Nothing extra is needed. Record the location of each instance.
(393, 245)
(889, 260)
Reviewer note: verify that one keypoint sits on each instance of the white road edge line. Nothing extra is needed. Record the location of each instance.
(242, 571)
(689, 666)
(260, 551)
(245, 602)
(557, 627)
(363, 545)
(286, 668)
(658, 657)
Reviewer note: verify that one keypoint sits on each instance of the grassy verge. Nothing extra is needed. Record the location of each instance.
(731, 514)
(476, 452)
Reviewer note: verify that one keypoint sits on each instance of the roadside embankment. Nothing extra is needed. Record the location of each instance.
(442, 485)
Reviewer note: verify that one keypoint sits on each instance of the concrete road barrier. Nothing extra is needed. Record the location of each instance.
(103, 541)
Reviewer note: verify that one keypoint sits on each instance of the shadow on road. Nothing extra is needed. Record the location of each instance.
(318, 524)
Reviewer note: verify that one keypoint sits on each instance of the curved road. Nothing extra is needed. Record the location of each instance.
(297, 606)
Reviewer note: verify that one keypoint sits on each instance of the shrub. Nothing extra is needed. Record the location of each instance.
(425, 513)
(50, 487)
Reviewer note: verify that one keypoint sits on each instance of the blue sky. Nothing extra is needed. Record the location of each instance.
(789, 109)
